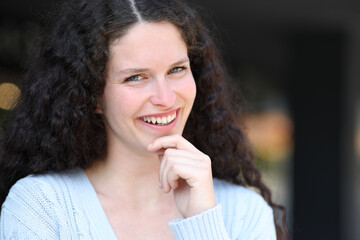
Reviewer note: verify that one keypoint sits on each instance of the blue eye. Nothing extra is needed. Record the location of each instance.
(134, 78)
(177, 69)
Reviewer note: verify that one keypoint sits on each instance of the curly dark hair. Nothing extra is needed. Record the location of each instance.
(54, 125)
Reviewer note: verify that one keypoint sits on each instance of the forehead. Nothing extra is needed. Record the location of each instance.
(145, 42)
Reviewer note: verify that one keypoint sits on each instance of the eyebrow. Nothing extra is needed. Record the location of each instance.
(136, 70)
(182, 61)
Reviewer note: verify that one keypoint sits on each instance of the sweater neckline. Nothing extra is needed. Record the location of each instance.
(94, 209)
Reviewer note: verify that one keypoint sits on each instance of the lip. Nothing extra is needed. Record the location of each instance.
(162, 128)
(164, 114)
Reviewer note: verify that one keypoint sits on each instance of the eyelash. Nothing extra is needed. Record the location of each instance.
(131, 78)
(180, 69)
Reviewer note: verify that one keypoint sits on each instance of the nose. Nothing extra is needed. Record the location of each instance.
(162, 95)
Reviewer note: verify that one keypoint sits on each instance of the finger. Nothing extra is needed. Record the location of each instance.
(185, 172)
(176, 156)
(172, 141)
(168, 164)
(171, 163)
(183, 155)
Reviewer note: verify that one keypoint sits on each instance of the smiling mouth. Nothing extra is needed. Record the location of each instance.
(165, 120)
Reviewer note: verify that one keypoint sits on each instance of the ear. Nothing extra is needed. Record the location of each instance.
(99, 108)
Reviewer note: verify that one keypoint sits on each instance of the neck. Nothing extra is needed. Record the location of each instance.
(127, 176)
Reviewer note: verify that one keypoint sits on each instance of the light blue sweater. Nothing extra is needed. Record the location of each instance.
(65, 206)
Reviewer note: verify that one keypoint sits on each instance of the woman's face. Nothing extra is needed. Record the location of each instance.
(149, 90)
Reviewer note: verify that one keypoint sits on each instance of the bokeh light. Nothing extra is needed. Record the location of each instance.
(9, 93)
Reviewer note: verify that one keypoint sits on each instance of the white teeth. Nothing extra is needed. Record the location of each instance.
(160, 120)
(153, 120)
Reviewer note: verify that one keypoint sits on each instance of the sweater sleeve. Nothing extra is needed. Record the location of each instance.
(240, 214)
(261, 226)
(246, 214)
(28, 213)
(208, 225)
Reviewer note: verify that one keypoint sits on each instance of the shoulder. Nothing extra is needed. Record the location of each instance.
(39, 195)
(245, 208)
(227, 193)
(44, 187)
(35, 205)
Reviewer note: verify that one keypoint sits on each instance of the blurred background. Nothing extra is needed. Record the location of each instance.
(298, 65)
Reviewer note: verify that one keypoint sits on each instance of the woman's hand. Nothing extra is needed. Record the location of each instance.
(186, 171)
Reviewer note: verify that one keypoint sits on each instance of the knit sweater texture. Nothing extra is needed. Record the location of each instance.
(65, 206)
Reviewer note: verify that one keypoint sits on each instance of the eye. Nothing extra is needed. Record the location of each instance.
(134, 78)
(177, 69)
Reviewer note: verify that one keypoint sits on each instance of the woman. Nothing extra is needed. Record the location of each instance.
(124, 130)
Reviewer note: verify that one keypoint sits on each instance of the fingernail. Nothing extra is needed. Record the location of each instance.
(160, 186)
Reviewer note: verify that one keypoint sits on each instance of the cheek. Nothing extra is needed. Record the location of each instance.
(119, 101)
(189, 89)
